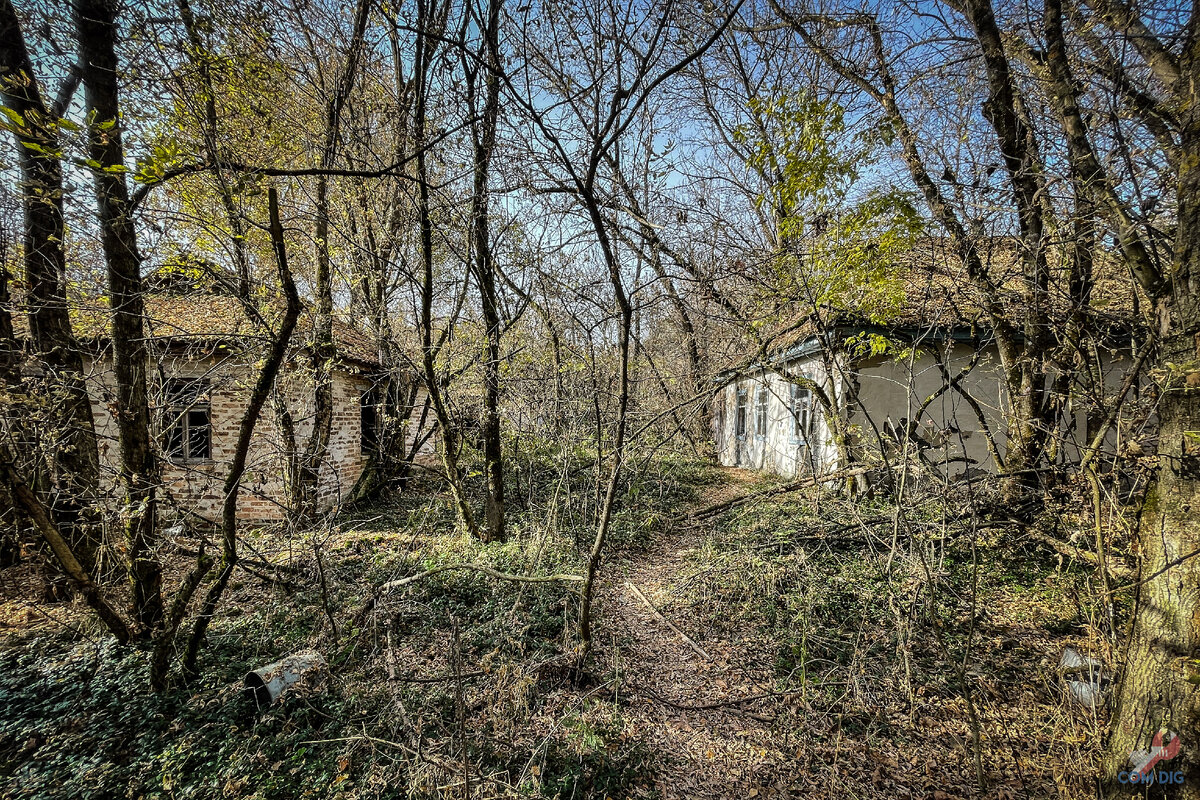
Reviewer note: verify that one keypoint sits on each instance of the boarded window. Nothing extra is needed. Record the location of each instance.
(761, 404)
(741, 411)
(187, 420)
(801, 407)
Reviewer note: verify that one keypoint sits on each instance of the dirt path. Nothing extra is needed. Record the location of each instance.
(729, 751)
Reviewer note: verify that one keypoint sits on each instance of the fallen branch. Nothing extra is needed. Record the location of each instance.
(811, 480)
(504, 576)
(1175, 562)
(658, 615)
(245, 563)
(736, 701)
(1074, 551)
(436, 679)
(360, 616)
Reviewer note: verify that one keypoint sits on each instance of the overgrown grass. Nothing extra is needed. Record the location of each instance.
(455, 677)
(877, 621)
(460, 677)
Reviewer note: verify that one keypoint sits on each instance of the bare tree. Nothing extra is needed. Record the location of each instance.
(75, 472)
(96, 31)
(485, 70)
(620, 77)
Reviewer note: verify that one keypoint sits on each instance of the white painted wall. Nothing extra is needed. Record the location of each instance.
(892, 389)
(778, 451)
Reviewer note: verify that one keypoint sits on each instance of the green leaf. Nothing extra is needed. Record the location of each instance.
(12, 115)
(35, 147)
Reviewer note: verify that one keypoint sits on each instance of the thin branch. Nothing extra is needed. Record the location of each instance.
(504, 576)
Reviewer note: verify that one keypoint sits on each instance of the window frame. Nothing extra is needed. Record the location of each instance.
(762, 406)
(183, 400)
(742, 403)
(801, 433)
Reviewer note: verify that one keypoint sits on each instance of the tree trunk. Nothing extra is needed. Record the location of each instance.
(430, 28)
(484, 140)
(76, 462)
(1028, 426)
(323, 349)
(10, 349)
(237, 467)
(1159, 687)
(39, 514)
(96, 29)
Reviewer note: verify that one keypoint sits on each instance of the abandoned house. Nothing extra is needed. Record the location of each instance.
(929, 376)
(204, 352)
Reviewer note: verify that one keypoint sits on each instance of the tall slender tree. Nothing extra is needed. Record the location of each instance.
(75, 472)
(97, 36)
(483, 72)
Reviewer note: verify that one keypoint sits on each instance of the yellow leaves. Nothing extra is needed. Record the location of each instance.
(37, 148)
(13, 116)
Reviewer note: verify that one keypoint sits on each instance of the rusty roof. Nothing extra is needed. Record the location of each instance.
(206, 320)
(934, 292)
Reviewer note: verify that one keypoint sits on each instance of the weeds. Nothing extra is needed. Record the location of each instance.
(865, 633)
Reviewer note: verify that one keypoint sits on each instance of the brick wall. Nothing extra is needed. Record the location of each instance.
(198, 487)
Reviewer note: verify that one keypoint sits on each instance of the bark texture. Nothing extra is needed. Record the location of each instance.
(75, 465)
(484, 141)
(96, 31)
(1160, 686)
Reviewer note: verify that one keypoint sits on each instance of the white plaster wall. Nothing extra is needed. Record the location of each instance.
(895, 389)
(1114, 366)
(777, 451)
(891, 388)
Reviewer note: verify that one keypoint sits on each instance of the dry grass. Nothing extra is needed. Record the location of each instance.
(840, 666)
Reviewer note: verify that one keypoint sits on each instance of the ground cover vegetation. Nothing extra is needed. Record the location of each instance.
(828, 661)
(537, 241)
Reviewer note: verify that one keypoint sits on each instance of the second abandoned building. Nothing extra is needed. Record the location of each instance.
(929, 375)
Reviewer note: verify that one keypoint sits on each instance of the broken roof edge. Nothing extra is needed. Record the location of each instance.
(977, 335)
(812, 344)
(206, 322)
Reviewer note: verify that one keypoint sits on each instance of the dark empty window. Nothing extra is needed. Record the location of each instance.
(187, 420)
(760, 411)
(741, 411)
(370, 418)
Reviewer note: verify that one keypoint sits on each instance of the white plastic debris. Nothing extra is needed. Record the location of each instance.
(1086, 693)
(269, 683)
(1073, 661)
